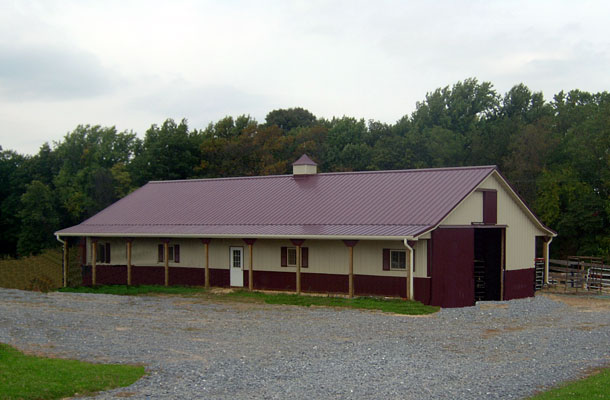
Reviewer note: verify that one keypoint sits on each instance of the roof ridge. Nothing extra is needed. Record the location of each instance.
(386, 171)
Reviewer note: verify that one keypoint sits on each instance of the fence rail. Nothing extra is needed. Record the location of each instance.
(579, 275)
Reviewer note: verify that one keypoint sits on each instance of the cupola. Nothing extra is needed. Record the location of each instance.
(304, 166)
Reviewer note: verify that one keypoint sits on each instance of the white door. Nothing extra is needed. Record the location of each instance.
(236, 257)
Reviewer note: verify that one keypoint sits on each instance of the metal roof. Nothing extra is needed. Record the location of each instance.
(379, 204)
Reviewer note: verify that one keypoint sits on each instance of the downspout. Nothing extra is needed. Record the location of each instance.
(63, 260)
(406, 243)
(546, 260)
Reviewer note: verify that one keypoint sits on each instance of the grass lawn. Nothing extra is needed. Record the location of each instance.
(398, 306)
(596, 386)
(125, 290)
(30, 377)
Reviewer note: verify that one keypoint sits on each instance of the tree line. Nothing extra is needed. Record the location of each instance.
(556, 154)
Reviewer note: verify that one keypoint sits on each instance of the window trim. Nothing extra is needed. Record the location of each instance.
(171, 252)
(288, 251)
(102, 252)
(284, 257)
(406, 260)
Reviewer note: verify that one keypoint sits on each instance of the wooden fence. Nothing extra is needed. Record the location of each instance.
(580, 274)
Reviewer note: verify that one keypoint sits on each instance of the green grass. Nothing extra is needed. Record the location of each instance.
(596, 386)
(125, 290)
(398, 306)
(30, 377)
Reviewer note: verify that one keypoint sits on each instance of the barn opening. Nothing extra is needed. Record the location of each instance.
(487, 264)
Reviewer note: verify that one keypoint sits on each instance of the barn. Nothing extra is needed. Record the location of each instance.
(444, 236)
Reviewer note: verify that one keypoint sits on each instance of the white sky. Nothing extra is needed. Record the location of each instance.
(134, 63)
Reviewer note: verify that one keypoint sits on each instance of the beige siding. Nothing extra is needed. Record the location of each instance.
(421, 259)
(368, 258)
(521, 230)
(470, 210)
(325, 256)
(118, 251)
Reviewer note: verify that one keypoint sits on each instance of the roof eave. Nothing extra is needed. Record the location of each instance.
(233, 236)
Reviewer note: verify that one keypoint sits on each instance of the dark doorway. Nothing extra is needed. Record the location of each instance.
(487, 263)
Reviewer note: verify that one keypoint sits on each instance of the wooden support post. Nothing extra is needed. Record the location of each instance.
(250, 269)
(93, 260)
(250, 243)
(502, 261)
(350, 244)
(129, 242)
(207, 265)
(545, 255)
(166, 260)
(298, 243)
(351, 272)
(298, 269)
(206, 244)
(66, 262)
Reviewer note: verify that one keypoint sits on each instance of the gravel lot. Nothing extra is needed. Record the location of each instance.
(194, 348)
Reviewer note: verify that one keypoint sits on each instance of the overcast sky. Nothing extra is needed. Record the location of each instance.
(134, 63)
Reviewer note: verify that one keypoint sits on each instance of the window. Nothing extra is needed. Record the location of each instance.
(102, 253)
(292, 256)
(173, 253)
(289, 257)
(236, 257)
(398, 259)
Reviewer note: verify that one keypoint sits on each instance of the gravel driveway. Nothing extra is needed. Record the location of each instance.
(194, 348)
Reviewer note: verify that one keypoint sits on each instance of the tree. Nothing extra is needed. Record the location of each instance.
(84, 183)
(13, 181)
(38, 218)
(168, 152)
(290, 118)
(341, 133)
(528, 154)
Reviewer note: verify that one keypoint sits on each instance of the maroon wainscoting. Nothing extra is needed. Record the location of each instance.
(422, 286)
(186, 276)
(219, 277)
(324, 283)
(273, 280)
(148, 275)
(86, 274)
(452, 267)
(364, 285)
(310, 282)
(111, 274)
(519, 284)
(369, 285)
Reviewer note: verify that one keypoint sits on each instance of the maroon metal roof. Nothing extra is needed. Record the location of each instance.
(304, 160)
(380, 203)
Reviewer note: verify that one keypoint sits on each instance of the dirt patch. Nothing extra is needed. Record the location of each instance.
(582, 303)
(125, 394)
(489, 306)
(489, 333)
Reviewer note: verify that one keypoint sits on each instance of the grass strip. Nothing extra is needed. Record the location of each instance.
(124, 290)
(398, 306)
(596, 386)
(31, 377)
